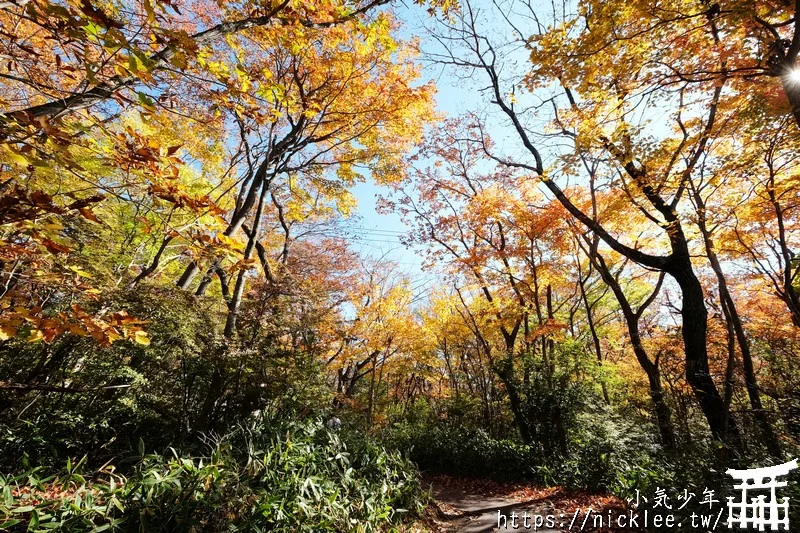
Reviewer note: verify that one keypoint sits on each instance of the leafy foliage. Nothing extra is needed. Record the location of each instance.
(616, 301)
(157, 392)
(267, 476)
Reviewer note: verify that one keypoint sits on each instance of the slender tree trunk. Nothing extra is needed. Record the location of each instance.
(214, 393)
(694, 316)
(240, 213)
(188, 275)
(238, 290)
(202, 287)
(768, 436)
(790, 271)
(595, 337)
(371, 406)
(154, 264)
(551, 345)
(730, 366)
(660, 408)
(506, 375)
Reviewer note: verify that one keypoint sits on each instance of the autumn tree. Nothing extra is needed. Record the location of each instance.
(605, 73)
(475, 217)
(320, 114)
(465, 358)
(284, 103)
(380, 335)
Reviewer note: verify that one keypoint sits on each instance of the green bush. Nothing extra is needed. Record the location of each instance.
(605, 450)
(185, 383)
(268, 476)
(462, 451)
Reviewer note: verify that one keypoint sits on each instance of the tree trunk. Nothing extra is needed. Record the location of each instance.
(661, 409)
(506, 375)
(240, 213)
(188, 275)
(371, 407)
(154, 264)
(790, 272)
(651, 369)
(216, 388)
(768, 436)
(593, 330)
(694, 329)
(238, 290)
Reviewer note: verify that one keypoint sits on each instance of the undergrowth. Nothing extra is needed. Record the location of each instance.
(266, 476)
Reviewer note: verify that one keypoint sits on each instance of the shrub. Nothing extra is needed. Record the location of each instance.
(605, 450)
(268, 476)
(462, 451)
(186, 382)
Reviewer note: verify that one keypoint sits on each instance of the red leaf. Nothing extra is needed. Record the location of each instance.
(89, 215)
(53, 247)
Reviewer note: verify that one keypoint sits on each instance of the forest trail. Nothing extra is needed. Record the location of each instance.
(481, 506)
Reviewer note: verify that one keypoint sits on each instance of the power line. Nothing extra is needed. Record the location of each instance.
(377, 230)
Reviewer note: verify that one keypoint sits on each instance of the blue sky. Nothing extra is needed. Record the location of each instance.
(377, 234)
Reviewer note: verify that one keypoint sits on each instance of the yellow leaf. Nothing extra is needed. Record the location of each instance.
(6, 332)
(151, 14)
(80, 272)
(112, 335)
(17, 158)
(141, 337)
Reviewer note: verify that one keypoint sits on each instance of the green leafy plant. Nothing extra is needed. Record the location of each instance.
(266, 476)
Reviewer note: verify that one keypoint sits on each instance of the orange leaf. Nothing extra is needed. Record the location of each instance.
(88, 215)
(55, 248)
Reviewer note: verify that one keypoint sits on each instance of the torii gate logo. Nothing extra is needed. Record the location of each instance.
(759, 512)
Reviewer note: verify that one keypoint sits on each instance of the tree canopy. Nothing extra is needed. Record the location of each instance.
(609, 289)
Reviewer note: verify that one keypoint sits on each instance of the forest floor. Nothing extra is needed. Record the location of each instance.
(479, 506)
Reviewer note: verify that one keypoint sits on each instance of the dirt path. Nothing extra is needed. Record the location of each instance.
(467, 512)
(479, 506)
